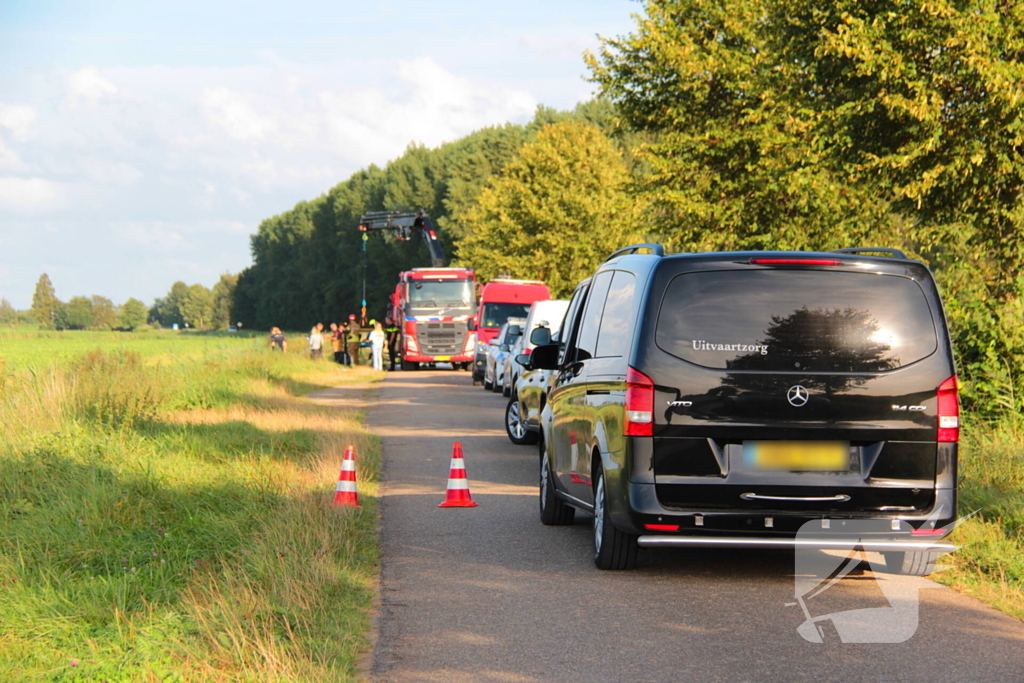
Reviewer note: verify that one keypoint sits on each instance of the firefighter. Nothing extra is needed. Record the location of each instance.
(352, 339)
(392, 331)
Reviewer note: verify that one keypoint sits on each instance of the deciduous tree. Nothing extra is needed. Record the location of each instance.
(557, 210)
(132, 314)
(78, 313)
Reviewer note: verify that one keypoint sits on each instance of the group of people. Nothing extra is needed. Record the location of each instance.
(346, 339)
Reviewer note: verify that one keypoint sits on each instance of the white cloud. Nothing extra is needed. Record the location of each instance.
(234, 113)
(9, 159)
(18, 119)
(88, 84)
(29, 195)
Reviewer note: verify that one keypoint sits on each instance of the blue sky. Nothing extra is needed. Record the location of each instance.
(143, 144)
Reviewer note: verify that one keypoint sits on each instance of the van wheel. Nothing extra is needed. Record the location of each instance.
(613, 549)
(487, 385)
(553, 510)
(911, 562)
(514, 427)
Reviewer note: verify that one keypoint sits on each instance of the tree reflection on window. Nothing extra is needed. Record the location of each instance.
(836, 340)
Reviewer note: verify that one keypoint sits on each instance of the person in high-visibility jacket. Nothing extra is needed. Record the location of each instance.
(352, 339)
(392, 331)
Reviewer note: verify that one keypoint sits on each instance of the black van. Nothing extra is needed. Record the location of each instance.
(729, 399)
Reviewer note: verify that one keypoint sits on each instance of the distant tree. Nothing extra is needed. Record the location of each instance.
(78, 313)
(7, 313)
(133, 314)
(223, 299)
(45, 302)
(168, 310)
(556, 211)
(197, 306)
(103, 312)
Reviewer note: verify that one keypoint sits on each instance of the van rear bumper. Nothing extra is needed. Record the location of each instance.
(879, 545)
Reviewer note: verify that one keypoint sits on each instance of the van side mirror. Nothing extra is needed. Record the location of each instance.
(544, 357)
(506, 348)
(540, 336)
(471, 324)
(524, 360)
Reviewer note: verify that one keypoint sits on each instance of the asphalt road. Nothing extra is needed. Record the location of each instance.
(490, 594)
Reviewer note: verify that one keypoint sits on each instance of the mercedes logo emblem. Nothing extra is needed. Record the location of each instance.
(797, 396)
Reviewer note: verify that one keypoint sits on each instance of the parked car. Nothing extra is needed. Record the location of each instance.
(522, 413)
(730, 399)
(547, 314)
(498, 349)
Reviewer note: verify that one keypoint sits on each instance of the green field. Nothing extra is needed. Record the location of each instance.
(23, 348)
(165, 507)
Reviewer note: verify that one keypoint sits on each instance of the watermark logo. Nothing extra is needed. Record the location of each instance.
(841, 600)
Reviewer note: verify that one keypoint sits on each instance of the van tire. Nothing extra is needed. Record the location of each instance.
(911, 563)
(613, 549)
(553, 510)
(514, 427)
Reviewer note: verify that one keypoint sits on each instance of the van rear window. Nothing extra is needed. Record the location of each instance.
(790, 320)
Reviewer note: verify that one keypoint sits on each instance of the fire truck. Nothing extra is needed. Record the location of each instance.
(432, 306)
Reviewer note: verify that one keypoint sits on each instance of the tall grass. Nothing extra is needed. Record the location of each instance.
(990, 563)
(171, 521)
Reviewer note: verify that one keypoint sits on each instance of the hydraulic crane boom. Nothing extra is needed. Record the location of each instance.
(402, 226)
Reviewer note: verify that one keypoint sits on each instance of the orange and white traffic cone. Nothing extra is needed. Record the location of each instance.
(458, 487)
(346, 492)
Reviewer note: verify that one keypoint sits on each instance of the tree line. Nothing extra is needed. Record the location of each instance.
(720, 125)
(185, 305)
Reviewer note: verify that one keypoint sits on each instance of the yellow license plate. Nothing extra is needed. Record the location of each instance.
(824, 456)
(442, 357)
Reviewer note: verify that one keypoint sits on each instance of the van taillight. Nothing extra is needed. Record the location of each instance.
(949, 411)
(639, 404)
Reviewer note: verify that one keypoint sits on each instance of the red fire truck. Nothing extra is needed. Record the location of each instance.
(499, 301)
(432, 306)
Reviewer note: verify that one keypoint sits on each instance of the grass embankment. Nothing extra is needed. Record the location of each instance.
(990, 563)
(169, 519)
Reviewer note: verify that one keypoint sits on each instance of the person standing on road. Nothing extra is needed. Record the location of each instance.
(352, 339)
(392, 331)
(377, 338)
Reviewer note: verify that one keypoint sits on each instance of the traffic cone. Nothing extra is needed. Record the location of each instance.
(458, 488)
(346, 491)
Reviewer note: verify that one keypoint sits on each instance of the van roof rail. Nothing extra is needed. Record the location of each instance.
(654, 248)
(892, 253)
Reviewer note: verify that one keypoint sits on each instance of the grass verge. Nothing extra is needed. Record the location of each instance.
(171, 521)
(990, 563)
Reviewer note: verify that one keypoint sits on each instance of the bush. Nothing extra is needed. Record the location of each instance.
(116, 388)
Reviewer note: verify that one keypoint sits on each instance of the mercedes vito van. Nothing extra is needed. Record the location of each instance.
(729, 399)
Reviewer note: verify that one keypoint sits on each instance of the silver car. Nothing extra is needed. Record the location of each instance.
(499, 349)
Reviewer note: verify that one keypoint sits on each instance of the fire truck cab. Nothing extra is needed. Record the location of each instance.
(432, 307)
(499, 301)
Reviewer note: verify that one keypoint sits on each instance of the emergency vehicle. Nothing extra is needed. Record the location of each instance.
(499, 301)
(433, 307)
